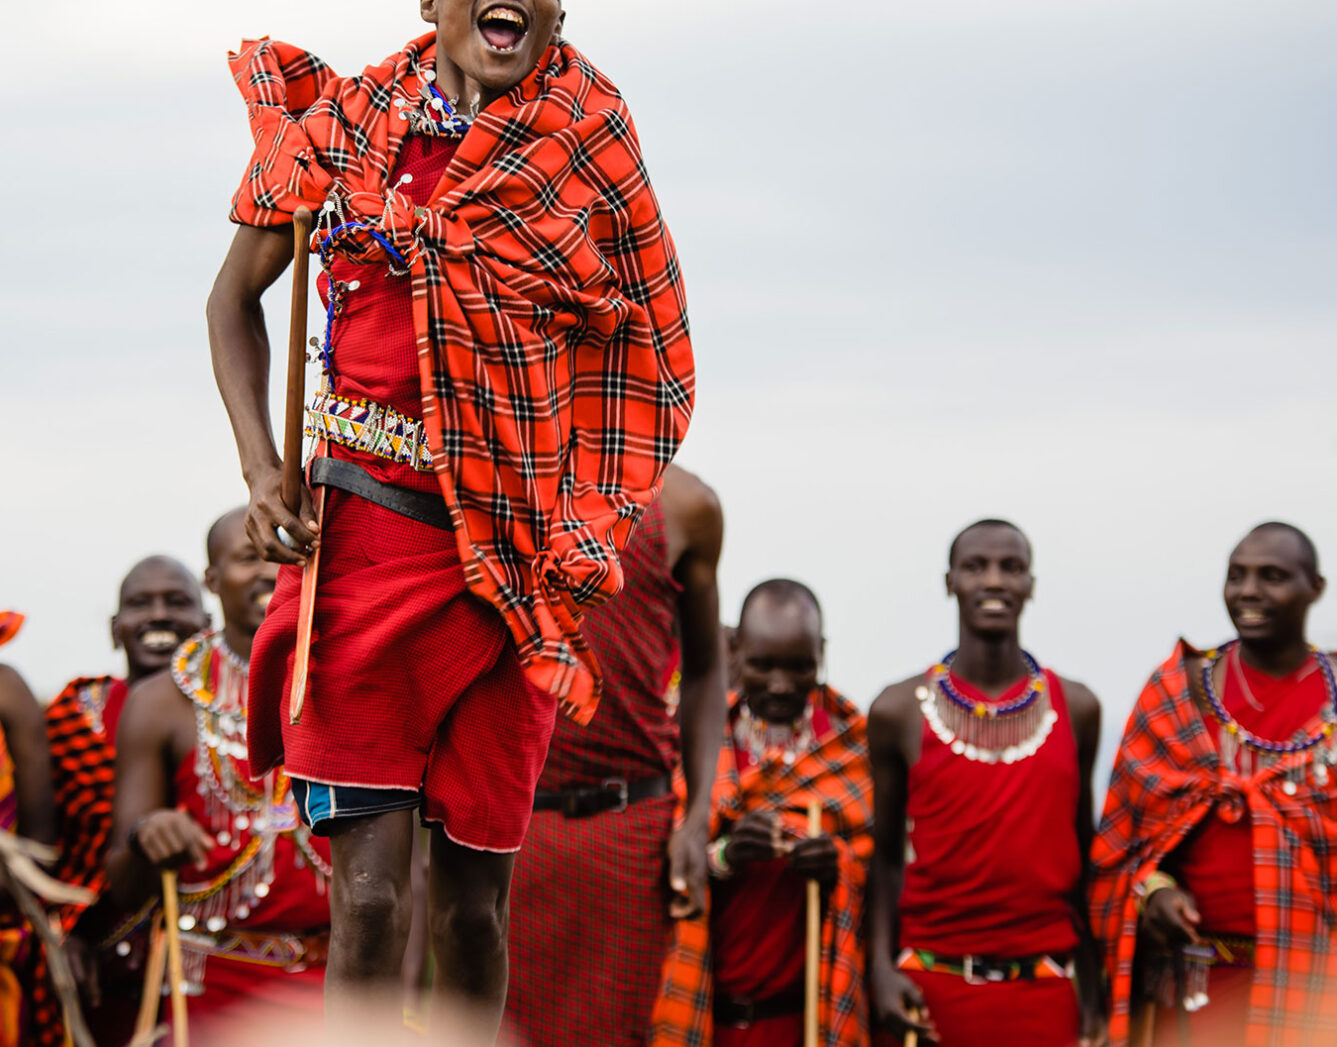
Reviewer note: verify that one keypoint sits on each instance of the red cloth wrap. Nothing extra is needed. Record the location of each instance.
(556, 367)
(1168, 778)
(414, 681)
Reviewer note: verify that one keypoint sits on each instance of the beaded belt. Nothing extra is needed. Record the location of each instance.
(290, 952)
(365, 425)
(981, 970)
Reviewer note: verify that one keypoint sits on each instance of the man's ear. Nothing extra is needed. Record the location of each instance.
(947, 584)
(427, 8)
(211, 579)
(557, 29)
(115, 640)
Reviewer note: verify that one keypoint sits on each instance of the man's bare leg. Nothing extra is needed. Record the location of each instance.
(469, 913)
(371, 907)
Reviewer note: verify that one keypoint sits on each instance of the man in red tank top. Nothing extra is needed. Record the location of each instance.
(158, 606)
(1214, 864)
(982, 780)
(252, 880)
(735, 975)
(604, 870)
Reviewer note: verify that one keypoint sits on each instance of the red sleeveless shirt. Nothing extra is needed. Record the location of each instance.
(995, 860)
(633, 734)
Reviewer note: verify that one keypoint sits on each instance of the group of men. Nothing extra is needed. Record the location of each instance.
(495, 613)
(660, 897)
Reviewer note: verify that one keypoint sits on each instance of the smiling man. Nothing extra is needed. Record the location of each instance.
(508, 373)
(1215, 861)
(734, 976)
(253, 902)
(982, 778)
(159, 606)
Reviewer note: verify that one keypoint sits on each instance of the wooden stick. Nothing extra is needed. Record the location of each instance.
(812, 964)
(171, 920)
(296, 403)
(146, 1025)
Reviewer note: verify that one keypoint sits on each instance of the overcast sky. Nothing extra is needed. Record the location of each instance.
(1069, 263)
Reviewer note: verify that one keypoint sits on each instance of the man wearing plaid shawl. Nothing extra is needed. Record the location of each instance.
(734, 976)
(1215, 859)
(505, 312)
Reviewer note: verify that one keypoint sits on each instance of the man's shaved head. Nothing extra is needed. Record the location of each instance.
(987, 523)
(779, 592)
(222, 531)
(158, 565)
(1308, 552)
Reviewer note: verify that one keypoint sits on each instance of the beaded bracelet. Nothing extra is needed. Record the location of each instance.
(716, 862)
(1157, 881)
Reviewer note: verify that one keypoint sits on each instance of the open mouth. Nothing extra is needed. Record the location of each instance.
(1248, 616)
(503, 27)
(993, 605)
(159, 641)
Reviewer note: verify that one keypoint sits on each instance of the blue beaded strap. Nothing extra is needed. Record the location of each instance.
(1246, 737)
(337, 289)
(942, 678)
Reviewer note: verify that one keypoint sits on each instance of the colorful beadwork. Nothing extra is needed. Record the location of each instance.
(988, 732)
(365, 425)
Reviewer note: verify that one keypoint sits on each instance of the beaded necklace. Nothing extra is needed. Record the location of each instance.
(246, 816)
(988, 732)
(1243, 751)
(758, 737)
(92, 700)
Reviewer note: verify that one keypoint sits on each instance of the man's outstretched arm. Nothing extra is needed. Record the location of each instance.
(239, 346)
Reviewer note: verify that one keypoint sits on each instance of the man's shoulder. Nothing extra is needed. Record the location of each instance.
(688, 499)
(896, 704)
(156, 699)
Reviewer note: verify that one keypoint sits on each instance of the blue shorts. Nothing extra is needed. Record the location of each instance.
(320, 805)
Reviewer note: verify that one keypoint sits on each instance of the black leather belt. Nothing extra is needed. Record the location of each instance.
(737, 1013)
(425, 507)
(613, 794)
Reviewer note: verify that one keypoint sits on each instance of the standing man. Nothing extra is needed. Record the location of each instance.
(982, 773)
(734, 976)
(1215, 863)
(158, 607)
(29, 1014)
(604, 870)
(255, 916)
(507, 375)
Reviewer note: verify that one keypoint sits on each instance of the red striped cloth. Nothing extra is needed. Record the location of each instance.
(557, 375)
(589, 901)
(1168, 778)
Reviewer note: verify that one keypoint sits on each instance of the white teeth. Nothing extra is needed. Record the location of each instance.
(992, 605)
(504, 14)
(159, 638)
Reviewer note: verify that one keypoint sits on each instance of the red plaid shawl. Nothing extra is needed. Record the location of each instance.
(10, 623)
(1167, 778)
(557, 375)
(837, 773)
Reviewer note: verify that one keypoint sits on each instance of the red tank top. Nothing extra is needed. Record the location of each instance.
(634, 637)
(1215, 862)
(995, 858)
(375, 352)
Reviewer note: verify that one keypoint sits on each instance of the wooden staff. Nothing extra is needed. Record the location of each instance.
(912, 1035)
(146, 1024)
(296, 403)
(171, 919)
(812, 965)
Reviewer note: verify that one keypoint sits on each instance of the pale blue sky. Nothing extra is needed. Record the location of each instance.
(1067, 263)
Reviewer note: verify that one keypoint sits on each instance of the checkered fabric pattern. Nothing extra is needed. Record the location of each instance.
(1167, 778)
(836, 773)
(556, 364)
(83, 766)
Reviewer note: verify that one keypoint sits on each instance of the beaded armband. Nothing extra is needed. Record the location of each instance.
(1157, 881)
(716, 862)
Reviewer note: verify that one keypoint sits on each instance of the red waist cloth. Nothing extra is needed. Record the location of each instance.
(241, 998)
(995, 854)
(998, 1014)
(634, 637)
(1215, 862)
(414, 682)
(590, 926)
